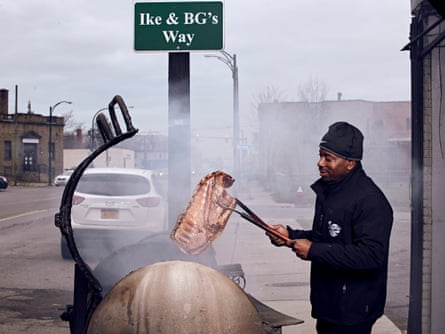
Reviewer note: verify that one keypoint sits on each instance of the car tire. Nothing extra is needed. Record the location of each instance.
(64, 250)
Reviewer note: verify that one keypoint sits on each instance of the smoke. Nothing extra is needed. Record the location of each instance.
(112, 248)
(290, 133)
(278, 165)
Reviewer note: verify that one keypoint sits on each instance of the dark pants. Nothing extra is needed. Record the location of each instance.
(324, 327)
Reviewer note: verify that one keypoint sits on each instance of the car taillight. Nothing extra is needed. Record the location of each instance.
(149, 202)
(77, 199)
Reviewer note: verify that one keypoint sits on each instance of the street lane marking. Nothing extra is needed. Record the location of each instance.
(23, 214)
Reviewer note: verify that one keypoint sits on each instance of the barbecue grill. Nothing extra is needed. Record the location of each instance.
(111, 289)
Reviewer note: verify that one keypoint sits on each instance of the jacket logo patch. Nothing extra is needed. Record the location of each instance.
(334, 229)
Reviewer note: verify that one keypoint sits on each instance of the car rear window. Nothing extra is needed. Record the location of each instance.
(113, 185)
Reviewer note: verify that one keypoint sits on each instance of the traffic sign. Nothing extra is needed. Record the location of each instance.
(178, 26)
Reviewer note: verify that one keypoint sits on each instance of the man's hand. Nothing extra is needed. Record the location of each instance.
(275, 240)
(301, 247)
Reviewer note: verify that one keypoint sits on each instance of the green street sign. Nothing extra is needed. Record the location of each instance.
(178, 26)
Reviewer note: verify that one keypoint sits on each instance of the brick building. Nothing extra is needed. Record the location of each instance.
(26, 153)
(427, 288)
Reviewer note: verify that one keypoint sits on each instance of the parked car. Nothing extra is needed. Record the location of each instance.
(114, 207)
(3, 183)
(62, 179)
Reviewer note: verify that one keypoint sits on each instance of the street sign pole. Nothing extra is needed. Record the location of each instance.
(179, 160)
(178, 27)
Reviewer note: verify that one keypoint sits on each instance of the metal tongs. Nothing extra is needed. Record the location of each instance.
(250, 216)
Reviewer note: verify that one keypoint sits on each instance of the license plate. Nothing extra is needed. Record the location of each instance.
(109, 214)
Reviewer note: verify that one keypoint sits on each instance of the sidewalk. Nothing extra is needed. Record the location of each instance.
(274, 275)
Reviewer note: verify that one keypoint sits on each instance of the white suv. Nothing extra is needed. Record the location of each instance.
(115, 207)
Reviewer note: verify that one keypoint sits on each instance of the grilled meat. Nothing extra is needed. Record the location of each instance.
(203, 220)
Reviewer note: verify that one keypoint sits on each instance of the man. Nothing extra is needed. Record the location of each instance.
(349, 242)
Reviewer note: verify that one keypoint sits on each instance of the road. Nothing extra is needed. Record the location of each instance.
(36, 284)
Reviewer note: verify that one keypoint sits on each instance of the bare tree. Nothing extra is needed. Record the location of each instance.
(313, 93)
(70, 123)
(270, 94)
(264, 152)
(313, 90)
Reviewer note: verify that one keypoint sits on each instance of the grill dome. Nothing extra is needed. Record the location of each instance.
(176, 297)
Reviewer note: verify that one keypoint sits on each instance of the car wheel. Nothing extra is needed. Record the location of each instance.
(64, 250)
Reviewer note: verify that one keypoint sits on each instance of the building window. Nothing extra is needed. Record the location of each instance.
(7, 155)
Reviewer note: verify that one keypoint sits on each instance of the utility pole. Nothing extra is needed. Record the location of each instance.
(50, 139)
(230, 61)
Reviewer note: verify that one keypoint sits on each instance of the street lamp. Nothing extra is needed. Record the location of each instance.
(50, 148)
(230, 61)
(92, 128)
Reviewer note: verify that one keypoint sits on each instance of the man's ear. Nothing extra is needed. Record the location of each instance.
(351, 164)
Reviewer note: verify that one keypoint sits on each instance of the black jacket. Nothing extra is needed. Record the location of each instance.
(349, 253)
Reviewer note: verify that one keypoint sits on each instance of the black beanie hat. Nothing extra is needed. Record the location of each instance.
(344, 140)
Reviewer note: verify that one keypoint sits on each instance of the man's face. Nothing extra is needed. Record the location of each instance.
(332, 167)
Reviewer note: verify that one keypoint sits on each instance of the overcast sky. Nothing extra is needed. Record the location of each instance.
(82, 51)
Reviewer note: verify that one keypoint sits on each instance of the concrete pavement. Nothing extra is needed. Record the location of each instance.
(274, 275)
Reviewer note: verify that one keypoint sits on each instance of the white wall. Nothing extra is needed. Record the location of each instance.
(116, 157)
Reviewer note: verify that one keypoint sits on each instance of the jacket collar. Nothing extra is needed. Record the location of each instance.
(321, 187)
